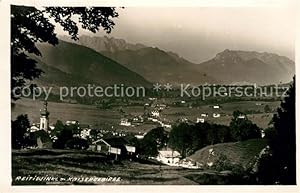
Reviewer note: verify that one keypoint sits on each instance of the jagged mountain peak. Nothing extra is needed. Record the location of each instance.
(249, 66)
(104, 43)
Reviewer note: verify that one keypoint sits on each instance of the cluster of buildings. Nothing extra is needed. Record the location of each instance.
(171, 157)
(152, 113)
(45, 137)
(203, 116)
(114, 146)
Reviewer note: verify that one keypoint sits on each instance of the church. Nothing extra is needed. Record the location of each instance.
(41, 134)
(44, 118)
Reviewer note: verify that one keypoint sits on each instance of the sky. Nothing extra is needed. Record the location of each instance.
(199, 33)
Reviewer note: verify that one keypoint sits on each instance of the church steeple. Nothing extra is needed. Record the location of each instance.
(44, 118)
(44, 111)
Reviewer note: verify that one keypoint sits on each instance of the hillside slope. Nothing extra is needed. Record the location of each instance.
(86, 65)
(154, 64)
(157, 65)
(237, 152)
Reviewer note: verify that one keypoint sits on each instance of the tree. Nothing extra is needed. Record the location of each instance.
(187, 138)
(181, 138)
(58, 127)
(203, 134)
(242, 128)
(64, 136)
(30, 25)
(19, 128)
(153, 141)
(282, 158)
(148, 147)
(223, 134)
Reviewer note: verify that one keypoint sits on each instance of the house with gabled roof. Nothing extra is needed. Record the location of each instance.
(115, 146)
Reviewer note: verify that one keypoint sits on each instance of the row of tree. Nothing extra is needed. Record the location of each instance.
(188, 138)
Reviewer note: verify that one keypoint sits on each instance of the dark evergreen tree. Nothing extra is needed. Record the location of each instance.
(242, 128)
(19, 128)
(279, 166)
(153, 141)
(64, 136)
(284, 143)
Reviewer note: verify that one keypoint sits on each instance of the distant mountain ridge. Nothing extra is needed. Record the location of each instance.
(81, 65)
(104, 43)
(233, 66)
(227, 67)
(154, 64)
(159, 66)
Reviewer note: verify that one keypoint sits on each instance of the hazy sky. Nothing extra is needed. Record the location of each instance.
(197, 34)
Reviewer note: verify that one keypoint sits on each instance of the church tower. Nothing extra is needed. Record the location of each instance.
(44, 118)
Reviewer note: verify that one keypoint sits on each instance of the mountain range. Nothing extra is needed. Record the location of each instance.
(105, 61)
(235, 66)
(154, 64)
(72, 64)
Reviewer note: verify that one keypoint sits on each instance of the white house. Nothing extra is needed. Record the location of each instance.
(263, 134)
(169, 157)
(241, 117)
(85, 133)
(189, 163)
(216, 115)
(51, 127)
(72, 122)
(34, 128)
(137, 120)
(161, 106)
(165, 125)
(200, 120)
(140, 136)
(204, 115)
(130, 149)
(155, 113)
(216, 106)
(125, 122)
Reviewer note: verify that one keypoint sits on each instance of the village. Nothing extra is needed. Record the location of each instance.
(114, 143)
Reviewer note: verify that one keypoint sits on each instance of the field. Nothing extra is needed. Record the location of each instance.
(89, 114)
(66, 164)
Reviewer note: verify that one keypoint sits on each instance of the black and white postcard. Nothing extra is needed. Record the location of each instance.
(107, 94)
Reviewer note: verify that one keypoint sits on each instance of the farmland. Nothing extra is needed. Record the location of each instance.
(106, 118)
